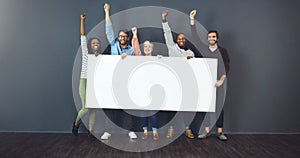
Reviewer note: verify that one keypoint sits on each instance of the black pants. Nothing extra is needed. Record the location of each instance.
(200, 118)
(121, 119)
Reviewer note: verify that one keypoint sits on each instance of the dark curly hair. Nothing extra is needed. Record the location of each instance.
(90, 50)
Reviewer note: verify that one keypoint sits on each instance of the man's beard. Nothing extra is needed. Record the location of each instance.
(123, 44)
(212, 44)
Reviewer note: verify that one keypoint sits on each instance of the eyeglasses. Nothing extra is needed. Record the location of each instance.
(123, 36)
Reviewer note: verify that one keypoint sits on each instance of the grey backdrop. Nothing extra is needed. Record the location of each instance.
(39, 40)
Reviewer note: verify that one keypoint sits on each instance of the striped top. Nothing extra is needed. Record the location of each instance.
(84, 59)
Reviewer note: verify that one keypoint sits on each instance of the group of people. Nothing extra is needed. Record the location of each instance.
(120, 46)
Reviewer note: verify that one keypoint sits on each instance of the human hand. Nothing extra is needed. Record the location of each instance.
(134, 31)
(189, 57)
(164, 15)
(123, 56)
(193, 14)
(82, 16)
(219, 83)
(106, 7)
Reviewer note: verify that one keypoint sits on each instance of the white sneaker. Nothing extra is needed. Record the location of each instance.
(132, 135)
(105, 135)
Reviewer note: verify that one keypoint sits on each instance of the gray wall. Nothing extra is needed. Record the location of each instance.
(39, 40)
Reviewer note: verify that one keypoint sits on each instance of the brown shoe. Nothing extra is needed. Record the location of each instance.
(170, 132)
(145, 136)
(189, 134)
(155, 136)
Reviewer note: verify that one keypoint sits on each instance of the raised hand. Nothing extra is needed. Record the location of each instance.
(134, 31)
(83, 16)
(192, 17)
(106, 7)
(164, 15)
(193, 14)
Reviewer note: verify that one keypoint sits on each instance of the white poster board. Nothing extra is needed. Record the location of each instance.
(151, 83)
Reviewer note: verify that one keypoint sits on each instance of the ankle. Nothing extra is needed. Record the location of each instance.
(207, 130)
(76, 124)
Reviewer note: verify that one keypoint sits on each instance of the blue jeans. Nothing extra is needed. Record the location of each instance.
(145, 119)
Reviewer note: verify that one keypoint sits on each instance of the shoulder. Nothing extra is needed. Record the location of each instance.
(222, 49)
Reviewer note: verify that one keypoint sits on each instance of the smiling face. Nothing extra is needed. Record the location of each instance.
(212, 38)
(181, 40)
(148, 48)
(95, 45)
(123, 38)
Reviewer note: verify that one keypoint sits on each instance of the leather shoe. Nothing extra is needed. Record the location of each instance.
(155, 136)
(145, 136)
(189, 134)
(170, 132)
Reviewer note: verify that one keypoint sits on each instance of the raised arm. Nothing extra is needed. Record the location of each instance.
(107, 13)
(167, 30)
(84, 49)
(202, 48)
(193, 27)
(109, 29)
(135, 42)
(82, 29)
(192, 17)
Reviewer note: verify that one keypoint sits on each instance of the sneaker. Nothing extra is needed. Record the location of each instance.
(203, 136)
(155, 136)
(170, 132)
(132, 135)
(145, 136)
(75, 129)
(105, 136)
(90, 135)
(222, 137)
(189, 134)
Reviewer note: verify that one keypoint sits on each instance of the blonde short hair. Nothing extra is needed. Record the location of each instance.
(148, 42)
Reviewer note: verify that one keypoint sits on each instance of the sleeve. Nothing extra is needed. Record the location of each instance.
(168, 34)
(84, 51)
(84, 48)
(196, 39)
(191, 53)
(226, 59)
(110, 33)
